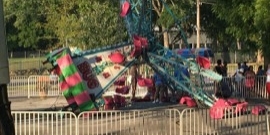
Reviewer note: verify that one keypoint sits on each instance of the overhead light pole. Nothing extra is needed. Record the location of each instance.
(198, 2)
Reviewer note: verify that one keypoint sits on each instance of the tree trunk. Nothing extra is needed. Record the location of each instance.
(226, 53)
(266, 61)
(165, 38)
(238, 44)
(259, 56)
(266, 50)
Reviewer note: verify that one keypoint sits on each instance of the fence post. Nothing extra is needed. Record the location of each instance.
(28, 87)
(181, 120)
(76, 120)
(267, 122)
(29, 84)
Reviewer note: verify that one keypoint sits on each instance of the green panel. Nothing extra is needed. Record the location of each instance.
(69, 70)
(77, 89)
(87, 106)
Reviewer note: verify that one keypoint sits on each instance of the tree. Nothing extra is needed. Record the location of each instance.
(50, 24)
(26, 20)
(85, 24)
(239, 16)
(101, 23)
(168, 14)
(262, 22)
(215, 28)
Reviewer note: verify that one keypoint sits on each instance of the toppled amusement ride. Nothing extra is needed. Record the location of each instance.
(86, 75)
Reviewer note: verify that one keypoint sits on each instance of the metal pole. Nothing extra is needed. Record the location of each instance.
(198, 23)
(6, 120)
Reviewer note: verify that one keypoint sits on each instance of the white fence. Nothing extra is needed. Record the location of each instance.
(243, 89)
(43, 86)
(18, 86)
(36, 86)
(33, 86)
(235, 121)
(45, 123)
(158, 122)
(40, 86)
(191, 121)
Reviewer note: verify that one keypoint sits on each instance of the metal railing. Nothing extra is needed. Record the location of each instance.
(18, 86)
(45, 123)
(236, 120)
(38, 86)
(162, 122)
(190, 121)
(43, 86)
(33, 86)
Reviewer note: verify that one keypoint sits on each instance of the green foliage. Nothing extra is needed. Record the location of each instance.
(100, 24)
(48, 24)
(262, 22)
(25, 23)
(239, 18)
(262, 18)
(180, 10)
(238, 15)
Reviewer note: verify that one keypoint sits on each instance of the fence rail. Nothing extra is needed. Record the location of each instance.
(39, 86)
(21, 66)
(236, 120)
(45, 123)
(190, 121)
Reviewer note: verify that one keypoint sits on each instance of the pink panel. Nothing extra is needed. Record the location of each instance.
(183, 100)
(82, 98)
(144, 41)
(232, 101)
(242, 107)
(64, 86)
(122, 90)
(73, 79)
(221, 103)
(137, 41)
(125, 9)
(64, 61)
(258, 109)
(108, 100)
(191, 102)
(216, 112)
(70, 100)
(203, 62)
(117, 57)
(136, 51)
(141, 82)
(119, 99)
(109, 107)
(145, 82)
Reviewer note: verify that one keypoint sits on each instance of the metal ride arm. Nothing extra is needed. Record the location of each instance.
(167, 72)
(156, 53)
(6, 120)
(171, 60)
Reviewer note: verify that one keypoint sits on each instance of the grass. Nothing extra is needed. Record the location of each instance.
(27, 63)
(12, 60)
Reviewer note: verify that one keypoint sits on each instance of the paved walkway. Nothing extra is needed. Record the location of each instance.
(37, 104)
(52, 103)
(56, 103)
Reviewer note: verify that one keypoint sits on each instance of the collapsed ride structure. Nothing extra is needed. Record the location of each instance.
(86, 75)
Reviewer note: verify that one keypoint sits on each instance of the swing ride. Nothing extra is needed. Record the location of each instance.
(87, 75)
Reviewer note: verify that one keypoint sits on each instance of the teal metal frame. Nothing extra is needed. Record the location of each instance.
(139, 22)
